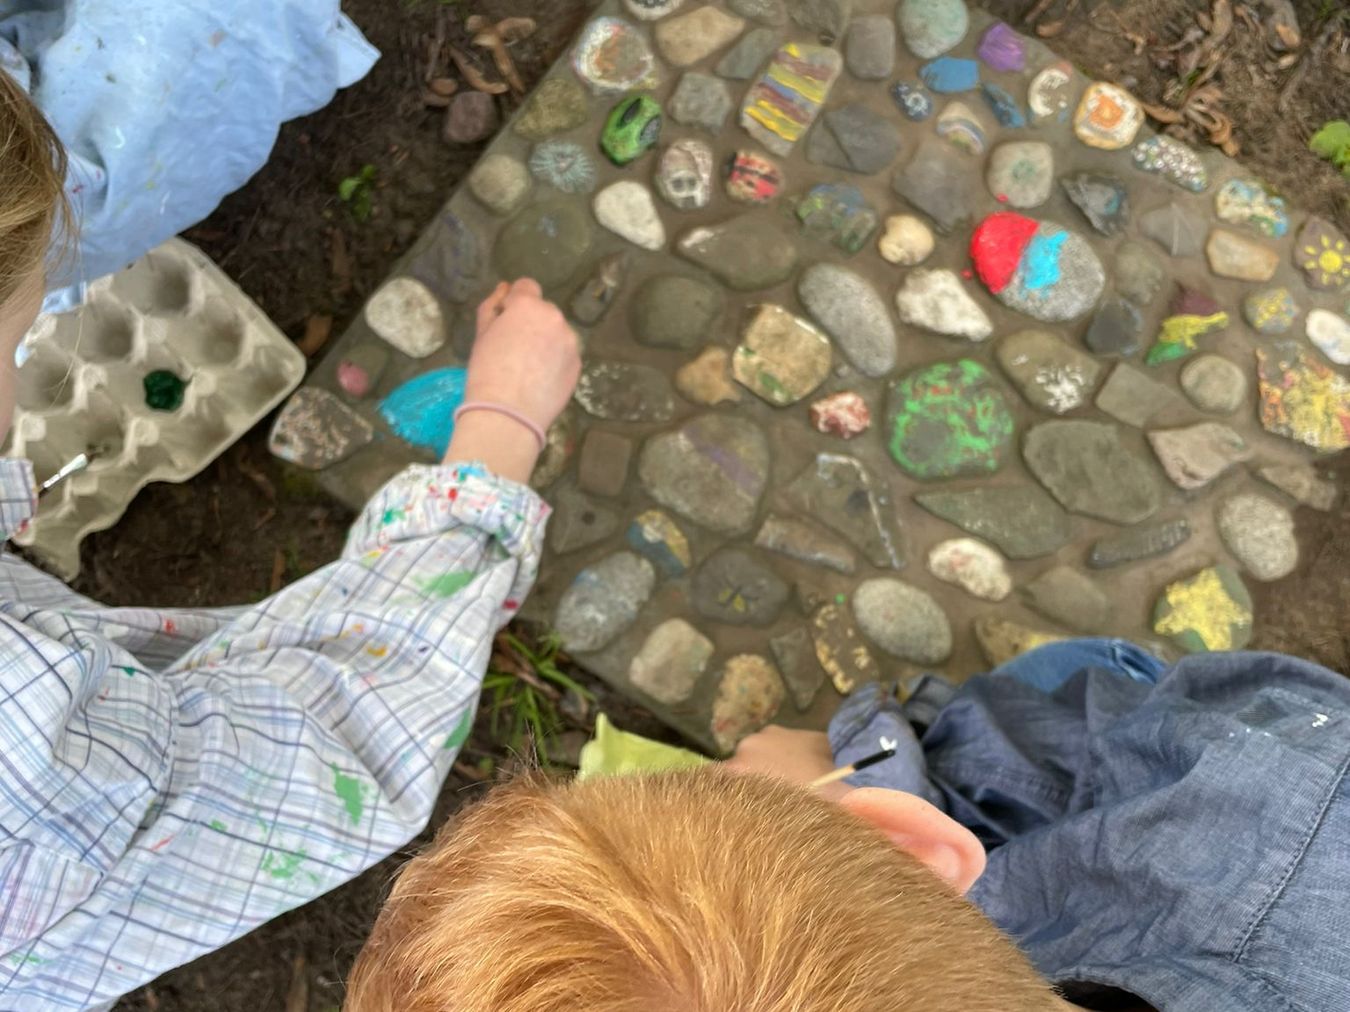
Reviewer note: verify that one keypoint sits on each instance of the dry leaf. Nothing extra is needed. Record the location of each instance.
(513, 30)
(443, 86)
(430, 98)
(278, 571)
(1286, 61)
(475, 76)
(318, 329)
(1223, 20)
(297, 997)
(1289, 36)
(1050, 29)
(1162, 113)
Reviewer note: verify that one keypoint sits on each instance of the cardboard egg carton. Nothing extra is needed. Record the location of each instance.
(81, 390)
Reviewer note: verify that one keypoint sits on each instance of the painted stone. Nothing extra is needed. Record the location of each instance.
(1135, 398)
(1021, 520)
(1021, 173)
(546, 241)
(1086, 467)
(1107, 117)
(613, 56)
(359, 371)
(744, 60)
(937, 301)
(1064, 595)
(913, 101)
(1172, 160)
(1115, 328)
(1006, 109)
(472, 116)
(1192, 315)
(1214, 384)
(501, 183)
(1036, 268)
(1051, 374)
(906, 240)
(557, 105)
(1321, 252)
(931, 27)
(1174, 229)
(939, 185)
(838, 491)
(1138, 273)
(659, 540)
(1331, 335)
(632, 129)
(1208, 611)
(671, 661)
(753, 179)
(1248, 202)
(960, 127)
(603, 600)
(869, 47)
(781, 106)
(1234, 256)
(1302, 399)
(652, 10)
(1051, 93)
(1271, 310)
(853, 314)
(803, 542)
(624, 392)
(688, 38)
(592, 300)
(684, 174)
(948, 420)
(1195, 455)
(578, 521)
(406, 314)
(711, 471)
(973, 566)
(854, 138)
(734, 587)
(421, 410)
(745, 253)
(316, 430)
(1000, 640)
(1143, 542)
(1103, 199)
(949, 74)
(671, 311)
(837, 213)
(795, 656)
(1260, 534)
(766, 12)
(902, 620)
(840, 649)
(602, 464)
(1301, 483)
(627, 210)
(707, 379)
(1002, 49)
(564, 166)
(748, 695)
(843, 414)
(702, 101)
(781, 357)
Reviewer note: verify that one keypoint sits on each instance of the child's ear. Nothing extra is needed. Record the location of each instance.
(916, 827)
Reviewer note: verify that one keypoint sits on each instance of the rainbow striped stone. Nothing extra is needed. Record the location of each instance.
(783, 103)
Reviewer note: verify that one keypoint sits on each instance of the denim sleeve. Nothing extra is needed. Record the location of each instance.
(870, 720)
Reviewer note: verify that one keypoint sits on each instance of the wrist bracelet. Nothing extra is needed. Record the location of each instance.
(501, 409)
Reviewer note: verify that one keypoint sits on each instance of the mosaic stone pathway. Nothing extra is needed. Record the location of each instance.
(906, 348)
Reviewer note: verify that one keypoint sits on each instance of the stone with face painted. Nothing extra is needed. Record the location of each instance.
(684, 176)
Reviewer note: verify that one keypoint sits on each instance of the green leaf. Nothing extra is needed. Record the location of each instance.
(1332, 142)
(348, 187)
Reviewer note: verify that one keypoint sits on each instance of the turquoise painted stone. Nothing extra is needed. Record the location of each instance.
(948, 420)
(839, 213)
(931, 27)
(632, 129)
(1247, 202)
(1037, 268)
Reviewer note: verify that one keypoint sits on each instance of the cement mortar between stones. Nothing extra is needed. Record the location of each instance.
(461, 271)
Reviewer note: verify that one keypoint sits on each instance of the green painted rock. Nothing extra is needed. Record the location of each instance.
(947, 420)
(633, 127)
(1208, 611)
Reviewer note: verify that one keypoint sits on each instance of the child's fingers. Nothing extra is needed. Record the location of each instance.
(491, 307)
(525, 288)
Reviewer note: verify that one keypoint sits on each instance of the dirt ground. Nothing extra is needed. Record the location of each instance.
(247, 524)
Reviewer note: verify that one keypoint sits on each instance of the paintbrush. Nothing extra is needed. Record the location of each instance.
(851, 768)
(73, 466)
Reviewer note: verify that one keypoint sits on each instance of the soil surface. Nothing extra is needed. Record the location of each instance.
(246, 524)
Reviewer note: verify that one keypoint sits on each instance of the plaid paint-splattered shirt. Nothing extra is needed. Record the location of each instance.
(172, 778)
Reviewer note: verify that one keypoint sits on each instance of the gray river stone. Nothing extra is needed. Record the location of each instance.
(1021, 520)
(1066, 596)
(869, 47)
(838, 491)
(747, 253)
(1142, 542)
(711, 470)
(854, 138)
(671, 311)
(940, 182)
(904, 621)
(803, 542)
(1085, 467)
(734, 587)
(745, 59)
(625, 392)
(1260, 534)
(603, 600)
(547, 242)
(853, 314)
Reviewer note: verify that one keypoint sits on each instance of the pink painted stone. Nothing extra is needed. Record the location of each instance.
(353, 378)
(843, 414)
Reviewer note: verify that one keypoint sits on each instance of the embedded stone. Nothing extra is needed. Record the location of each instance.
(1195, 455)
(578, 521)
(937, 301)
(1302, 399)
(1143, 542)
(1271, 310)
(869, 47)
(659, 540)
(1021, 520)
(825, 19)
(913, 101)
(906, 240)
(1174, 229)
(624, 392)
(803, 542)
(1021, 173)
(766, 12)
(960, 127)
(753, 179)
(1051, 375)
(359, 371)
(702, 101)
(559, 442)
(688, 38)
(684, 174)
(557, 105)
(592, 300)
(316, 430)
(853, 314)
(973, 566)
(1108, 116)
(1036, 268)
(1260, 534)
(501, 183)
(745, 253)
(947, 420)
(1000, 640)
(902, 620)
(1211, 610)
(1066, 596)
(841, 650)
(734, 587)
(1172, 160)
(939, 185)
(1234, 256)
(602, 464)
(1192, 315)
(837, 213)
(1051, 93)
(627, 210)
(564, 166)
(632, 129)
(843, 414)
(749, 694)
(405, 313)
(1248, 202)
(854, 138)
(1138, 274)
(652, 10)
(1002, 49)
(1003, 105)
(743, 60)
(670, 311)
(1302, 483)
(472, 116)
(613, 56)
(1115, 328)
(671, 661)
(1330, 332)
(931, 27)
(781, 357)
(547, 241)
(838, 491)
(602, 601)
(711, 470)
(781, 106)
(707, 379)
(1321, 252)
(1103, 199)
(1214, 384)
(1085, 466)
(1135, 398)
(795, 656)
(950, 74)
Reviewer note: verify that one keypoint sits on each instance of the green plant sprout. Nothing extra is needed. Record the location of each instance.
(522, 689)
(1332, 142)
(355, 191)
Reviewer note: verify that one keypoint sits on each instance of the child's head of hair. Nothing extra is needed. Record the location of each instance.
(32, 188)
(691, 891)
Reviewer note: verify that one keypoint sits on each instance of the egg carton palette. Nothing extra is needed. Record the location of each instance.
(82, 389)
(906, 347)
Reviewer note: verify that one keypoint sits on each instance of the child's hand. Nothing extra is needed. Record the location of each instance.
(798, 756)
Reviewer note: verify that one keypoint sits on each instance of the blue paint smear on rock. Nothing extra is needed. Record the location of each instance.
(422, 410)
(949, 74)
(1040, 262)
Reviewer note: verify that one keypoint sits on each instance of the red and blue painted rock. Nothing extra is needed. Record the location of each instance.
(1036, 267)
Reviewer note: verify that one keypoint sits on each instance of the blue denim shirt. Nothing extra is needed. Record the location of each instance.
(1181, 834)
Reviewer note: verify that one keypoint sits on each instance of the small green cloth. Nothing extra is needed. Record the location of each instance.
(612, 752)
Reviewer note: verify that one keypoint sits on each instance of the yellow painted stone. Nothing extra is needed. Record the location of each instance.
(840, 649)
(1209, 611)
(1108, 117)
